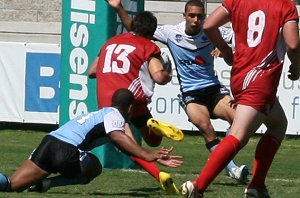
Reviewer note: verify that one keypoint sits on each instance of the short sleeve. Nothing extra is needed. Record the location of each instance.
(227, 4)
(151, 49)
(162, 33)
(114, 121)
(291, 13)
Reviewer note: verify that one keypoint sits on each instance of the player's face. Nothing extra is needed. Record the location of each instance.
(194, 17)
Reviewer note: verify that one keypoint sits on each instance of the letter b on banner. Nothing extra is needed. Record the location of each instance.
(42, 78)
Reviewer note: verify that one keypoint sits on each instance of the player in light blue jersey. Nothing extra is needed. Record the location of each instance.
(204, 96)
(66, 150)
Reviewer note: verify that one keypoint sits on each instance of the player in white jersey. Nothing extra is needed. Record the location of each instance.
(203, 94)
(66, 150)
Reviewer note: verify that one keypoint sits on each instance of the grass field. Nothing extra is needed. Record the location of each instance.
(283, 179)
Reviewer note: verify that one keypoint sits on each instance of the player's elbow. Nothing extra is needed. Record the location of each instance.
(293, 46)
(162, 77)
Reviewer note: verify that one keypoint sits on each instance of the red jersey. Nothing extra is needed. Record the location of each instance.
(260, 49)
(123, 63)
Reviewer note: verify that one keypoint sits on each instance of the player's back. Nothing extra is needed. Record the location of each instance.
(257, 25)
(88, 130)
(123, 63)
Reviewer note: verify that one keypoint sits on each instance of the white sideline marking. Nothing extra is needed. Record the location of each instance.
(284, 180)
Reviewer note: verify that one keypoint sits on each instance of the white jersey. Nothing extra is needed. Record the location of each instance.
(191, 54)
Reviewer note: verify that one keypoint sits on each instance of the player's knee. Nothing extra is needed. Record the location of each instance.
(91, 167)
(279, 124)
(206, 128)
(98, 170)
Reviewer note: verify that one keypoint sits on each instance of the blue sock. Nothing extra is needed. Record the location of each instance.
(212, 145)
(231, 165)
(4, 182)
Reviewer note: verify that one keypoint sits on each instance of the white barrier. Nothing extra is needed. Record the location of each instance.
(29, 91)
(29, 77)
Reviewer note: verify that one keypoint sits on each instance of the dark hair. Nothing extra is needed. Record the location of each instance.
(194, 3)
(144, 24)
(122, 98)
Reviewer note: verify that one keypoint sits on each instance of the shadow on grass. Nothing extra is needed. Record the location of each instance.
(235, 184)
(28, 126)
(137, 192)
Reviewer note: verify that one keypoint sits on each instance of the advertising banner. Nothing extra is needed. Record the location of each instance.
(29, 76)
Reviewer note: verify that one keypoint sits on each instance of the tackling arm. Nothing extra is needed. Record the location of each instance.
(128, 146)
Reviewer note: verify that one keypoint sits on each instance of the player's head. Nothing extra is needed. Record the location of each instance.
(144, 24)
(194, 15)
(123, 99)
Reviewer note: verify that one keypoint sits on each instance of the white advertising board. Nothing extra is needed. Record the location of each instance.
(29, 91)
(29, 77)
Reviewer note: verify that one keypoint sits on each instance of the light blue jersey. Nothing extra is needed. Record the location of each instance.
(191, 54)
(90, 130)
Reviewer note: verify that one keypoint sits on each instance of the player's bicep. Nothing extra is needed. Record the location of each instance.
(291, 34)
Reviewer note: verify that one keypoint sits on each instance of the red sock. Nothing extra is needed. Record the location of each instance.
(217, 161)
(150, 167)
(264, 155)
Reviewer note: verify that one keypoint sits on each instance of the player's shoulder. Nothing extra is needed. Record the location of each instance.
(107, 110)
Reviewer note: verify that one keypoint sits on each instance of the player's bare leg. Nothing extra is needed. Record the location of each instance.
(28, 174)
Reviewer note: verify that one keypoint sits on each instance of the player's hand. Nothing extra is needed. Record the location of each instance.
(172, 161)
(216, 53)
(166, 159)
(114, 3)
(294, 72)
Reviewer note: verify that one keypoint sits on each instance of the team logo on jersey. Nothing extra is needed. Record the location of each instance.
(178, 38)
(160, 28)
(199, 61)
(118, 123)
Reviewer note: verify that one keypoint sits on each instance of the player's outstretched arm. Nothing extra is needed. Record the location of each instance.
(125, 18)
(128, 146)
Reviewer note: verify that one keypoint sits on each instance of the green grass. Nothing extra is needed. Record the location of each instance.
(283, 179)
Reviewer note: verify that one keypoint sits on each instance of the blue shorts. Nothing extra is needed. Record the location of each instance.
(208, 97)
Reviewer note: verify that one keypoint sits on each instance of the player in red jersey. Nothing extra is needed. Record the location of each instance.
(132, 61)
(264, 32)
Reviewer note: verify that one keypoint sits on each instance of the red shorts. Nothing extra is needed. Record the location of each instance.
(258, 92)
